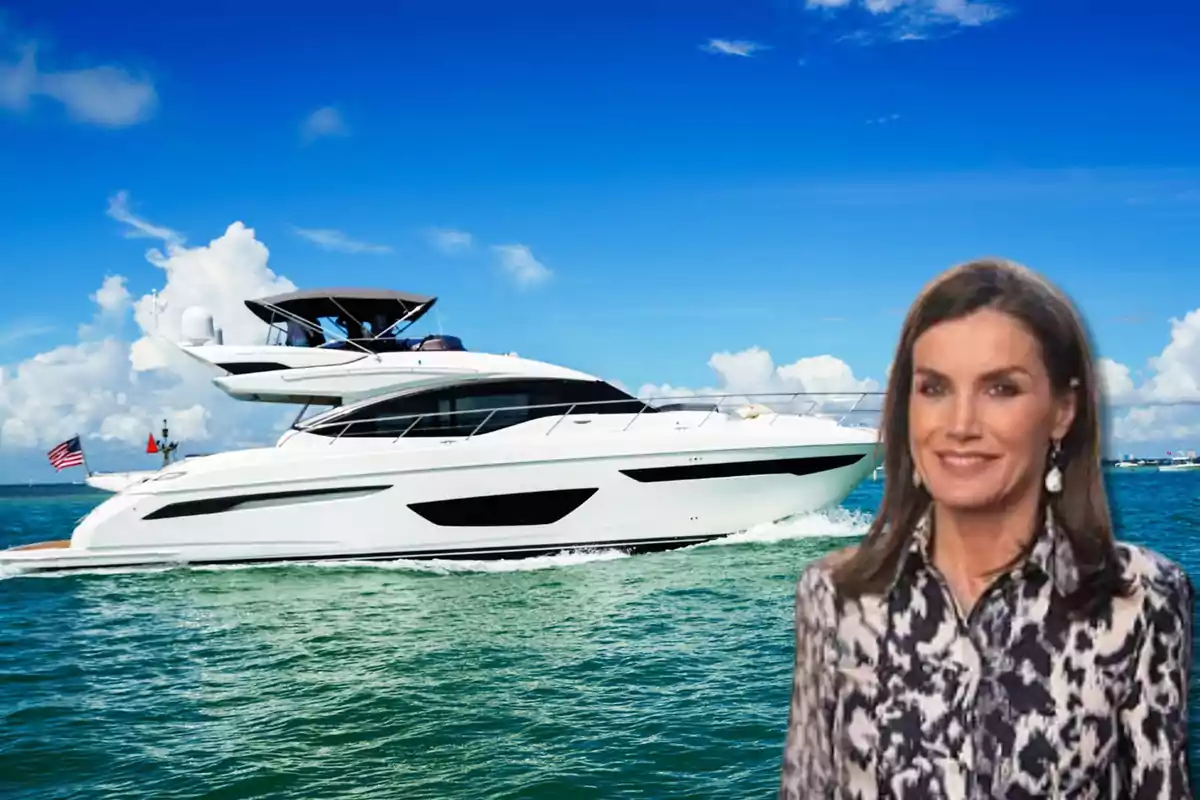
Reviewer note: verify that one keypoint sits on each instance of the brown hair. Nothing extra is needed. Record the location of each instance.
(1080, 509)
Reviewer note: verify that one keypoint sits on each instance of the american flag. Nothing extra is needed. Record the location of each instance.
(67, 454)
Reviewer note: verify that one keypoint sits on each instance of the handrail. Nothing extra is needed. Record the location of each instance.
(644, 405)
(648, 404)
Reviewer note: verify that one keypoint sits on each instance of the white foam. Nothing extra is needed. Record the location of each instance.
(436, 566)
(447, 566)
(15, 572)
(831, 523)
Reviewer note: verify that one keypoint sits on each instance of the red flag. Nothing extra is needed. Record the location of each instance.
(151, 446)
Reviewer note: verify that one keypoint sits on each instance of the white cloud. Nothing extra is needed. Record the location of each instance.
(968, 12)
(112, 297)
(107, 96)
(118, 209)
(914, 19)
(733, 47)
(338, 242)
(218, 276)
(323, 122)
(1177, 369)
(822, 383)
(115, 392)
(1161, 413)
(1166, 406)
(19, 330)
(1116, 380)
(60, 392)
(131, 427)
(449, 240)
(518, 262)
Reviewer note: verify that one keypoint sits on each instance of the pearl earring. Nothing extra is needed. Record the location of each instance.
(1054, 478)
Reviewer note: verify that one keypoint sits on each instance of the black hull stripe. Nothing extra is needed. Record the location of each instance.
(217, 505)
(736, 469)
(504, 510)
(632, 547)
(525, 508)
(252, 367)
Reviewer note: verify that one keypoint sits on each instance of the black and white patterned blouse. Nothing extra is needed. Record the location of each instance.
(896, 696)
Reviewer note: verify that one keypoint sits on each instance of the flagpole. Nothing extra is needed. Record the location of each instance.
(83, 455)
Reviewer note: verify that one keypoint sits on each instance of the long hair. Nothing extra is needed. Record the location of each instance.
(1080, 510)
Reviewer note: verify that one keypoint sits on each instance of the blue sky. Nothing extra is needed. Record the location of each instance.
(693, 178)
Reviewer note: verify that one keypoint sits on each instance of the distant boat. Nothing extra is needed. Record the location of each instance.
(1130, 463)
(1181, 463)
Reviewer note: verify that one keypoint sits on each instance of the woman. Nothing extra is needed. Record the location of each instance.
(989, 638)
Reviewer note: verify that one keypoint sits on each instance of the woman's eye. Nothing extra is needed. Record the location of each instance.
(930, 388)
(1005, 389)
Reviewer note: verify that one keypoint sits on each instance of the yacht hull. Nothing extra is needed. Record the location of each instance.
(117, 481)
(456, 508)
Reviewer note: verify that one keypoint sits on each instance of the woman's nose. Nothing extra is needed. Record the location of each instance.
(964, 416)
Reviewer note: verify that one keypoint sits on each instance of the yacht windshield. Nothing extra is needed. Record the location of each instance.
(371, 320)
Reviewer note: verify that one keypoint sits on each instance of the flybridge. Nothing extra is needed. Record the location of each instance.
(369, 320)
(327, 347)
(316, 328)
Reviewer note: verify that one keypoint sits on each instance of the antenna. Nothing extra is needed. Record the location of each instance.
(166, 446)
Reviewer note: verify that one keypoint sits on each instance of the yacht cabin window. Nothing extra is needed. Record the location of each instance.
(459, 410)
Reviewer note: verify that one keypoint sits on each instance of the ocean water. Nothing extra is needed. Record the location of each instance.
(588, 676)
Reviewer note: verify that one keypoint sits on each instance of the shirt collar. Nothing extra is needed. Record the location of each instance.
(1051, 554)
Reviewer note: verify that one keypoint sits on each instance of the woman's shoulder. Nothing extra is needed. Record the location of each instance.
(1153, 577)
(819, 571)
(815, 589)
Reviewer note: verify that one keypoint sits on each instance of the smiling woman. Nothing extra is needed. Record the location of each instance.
(990, 638)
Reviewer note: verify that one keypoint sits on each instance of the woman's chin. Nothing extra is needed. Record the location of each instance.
(970, 497)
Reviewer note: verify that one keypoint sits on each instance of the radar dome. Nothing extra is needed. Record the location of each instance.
(197, 326)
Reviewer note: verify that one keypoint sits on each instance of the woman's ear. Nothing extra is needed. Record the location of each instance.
(1065, 409)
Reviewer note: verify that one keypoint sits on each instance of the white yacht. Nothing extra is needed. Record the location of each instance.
(1129, 463)
(419, 448)
(1182, 462)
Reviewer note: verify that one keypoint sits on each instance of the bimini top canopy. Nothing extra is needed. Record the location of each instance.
(357, 305)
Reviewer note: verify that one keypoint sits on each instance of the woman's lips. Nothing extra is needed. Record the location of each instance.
(965, 462)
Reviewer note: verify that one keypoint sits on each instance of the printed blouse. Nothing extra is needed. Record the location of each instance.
(898, 696)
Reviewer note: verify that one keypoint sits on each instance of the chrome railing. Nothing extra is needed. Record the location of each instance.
(833, 405)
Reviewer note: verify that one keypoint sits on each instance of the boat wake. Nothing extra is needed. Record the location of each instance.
(832, 523)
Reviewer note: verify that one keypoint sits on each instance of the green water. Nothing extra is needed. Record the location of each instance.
(654, 676)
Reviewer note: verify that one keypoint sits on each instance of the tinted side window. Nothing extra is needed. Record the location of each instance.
(496, 409)
(592, 397)
(481, 408)
(391, 417)
(432, 413)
